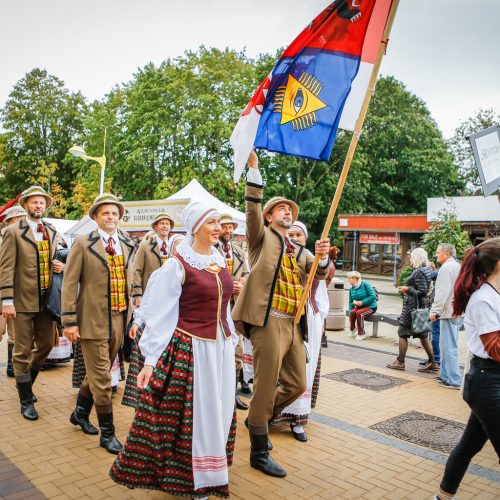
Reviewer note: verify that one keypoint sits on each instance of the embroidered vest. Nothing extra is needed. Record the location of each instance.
(43, 248)
(288, 289)
(203, 302)
(118, 283)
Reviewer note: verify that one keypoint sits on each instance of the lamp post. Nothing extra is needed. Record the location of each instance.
(80, 153)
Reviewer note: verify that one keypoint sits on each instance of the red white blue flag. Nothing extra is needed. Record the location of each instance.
(317, 85)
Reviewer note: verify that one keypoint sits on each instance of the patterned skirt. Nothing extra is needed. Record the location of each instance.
(79, 370)
(158, 452)
(132, 394)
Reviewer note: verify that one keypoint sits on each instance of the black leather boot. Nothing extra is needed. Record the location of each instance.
(10, 366)
(269, 444)
(26, 399)
(108, 439)
(240, 404)
(34, 374)
(260, 458)
(80, 415)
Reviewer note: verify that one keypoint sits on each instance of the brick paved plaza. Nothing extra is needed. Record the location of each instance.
(345, 456)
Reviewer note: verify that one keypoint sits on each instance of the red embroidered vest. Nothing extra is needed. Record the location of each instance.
(203, 302)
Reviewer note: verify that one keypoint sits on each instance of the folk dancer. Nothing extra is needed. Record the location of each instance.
(266, 308)
(26, 267)
(94, 304)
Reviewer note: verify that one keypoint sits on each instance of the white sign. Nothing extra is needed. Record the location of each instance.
(486, 149)
(140, 214)
(343, 222)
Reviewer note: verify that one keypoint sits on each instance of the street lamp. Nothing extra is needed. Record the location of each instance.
(79, 152)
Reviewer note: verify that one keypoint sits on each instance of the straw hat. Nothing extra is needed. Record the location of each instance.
(35, 191)
(227, 219)
(162, 216)
(276, 200)
(12, 212)
(106, 199)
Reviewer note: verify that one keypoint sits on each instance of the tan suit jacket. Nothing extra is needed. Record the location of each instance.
(240, 267)
(147, 261)
(266, 248)
(19, 268)
(86, 288)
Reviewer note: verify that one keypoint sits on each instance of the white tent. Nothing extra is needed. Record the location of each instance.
(83, 226)
(194, 191)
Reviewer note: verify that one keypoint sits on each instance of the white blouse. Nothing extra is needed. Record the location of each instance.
(160, 305)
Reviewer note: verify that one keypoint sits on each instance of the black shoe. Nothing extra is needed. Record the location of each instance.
(10, 366)
(108, 439)
(299, 436)
(240, 404)
(245, 388)
(269, 444)
(260, 458)
(324, 341)
(28, 409)
(80, 415)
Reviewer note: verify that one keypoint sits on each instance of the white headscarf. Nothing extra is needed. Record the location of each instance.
(299, 226)
(193, 217)
(170, 245)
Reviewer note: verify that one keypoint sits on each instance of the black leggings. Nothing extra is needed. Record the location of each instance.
(482, 394)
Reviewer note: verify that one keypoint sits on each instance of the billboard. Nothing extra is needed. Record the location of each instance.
(140, 214)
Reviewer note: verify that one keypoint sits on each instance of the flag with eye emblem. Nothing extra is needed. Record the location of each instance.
(317, 85)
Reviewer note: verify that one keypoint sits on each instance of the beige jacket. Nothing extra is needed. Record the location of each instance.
(86, 288)
(240, 267)
(147, 261)
(19, 268)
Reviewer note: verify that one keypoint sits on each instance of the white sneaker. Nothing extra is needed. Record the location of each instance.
(361, 337)
(351, 333)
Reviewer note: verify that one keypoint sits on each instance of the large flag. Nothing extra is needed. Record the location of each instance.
(317, 85)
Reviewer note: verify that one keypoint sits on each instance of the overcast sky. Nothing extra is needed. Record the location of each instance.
(445, 51)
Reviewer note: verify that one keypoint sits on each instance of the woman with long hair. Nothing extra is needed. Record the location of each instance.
(477, 293)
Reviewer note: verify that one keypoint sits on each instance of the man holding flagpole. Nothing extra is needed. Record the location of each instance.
(266, 307)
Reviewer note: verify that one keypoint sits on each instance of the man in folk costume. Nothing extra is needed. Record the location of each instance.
(266, 307)
(151, 254)
(94, 310)
(26, 267)
(12, 216)
(236, 262)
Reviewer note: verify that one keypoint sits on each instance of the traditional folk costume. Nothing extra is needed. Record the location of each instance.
(94, 298)
(6, 325)
(182, 438)
(237, 264)
(266, 307)
(132, 393)
(25, 274)
(296, 414)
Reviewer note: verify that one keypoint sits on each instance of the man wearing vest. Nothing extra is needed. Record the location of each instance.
(12, 216)
(151, 254)
(94, 309)
(26, 267)
(236, 261)
(266, 307)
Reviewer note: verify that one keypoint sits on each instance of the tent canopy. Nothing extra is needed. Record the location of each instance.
(194, 191)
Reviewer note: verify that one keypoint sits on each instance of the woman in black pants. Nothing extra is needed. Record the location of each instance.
(477, 292)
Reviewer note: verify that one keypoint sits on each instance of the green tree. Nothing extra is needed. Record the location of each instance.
(461, 150)
(447, 229)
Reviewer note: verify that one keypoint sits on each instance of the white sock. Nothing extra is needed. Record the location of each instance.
(298, 429)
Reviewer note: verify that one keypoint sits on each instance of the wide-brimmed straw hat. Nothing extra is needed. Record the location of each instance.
(106, 199)
(162, 216)
(227, 219)
(12, 212)
(35, 191)
(276, 200)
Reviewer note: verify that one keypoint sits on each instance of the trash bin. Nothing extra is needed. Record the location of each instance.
(336, 314)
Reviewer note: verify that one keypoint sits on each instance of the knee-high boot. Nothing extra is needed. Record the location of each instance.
(260, 458)
(81, 413)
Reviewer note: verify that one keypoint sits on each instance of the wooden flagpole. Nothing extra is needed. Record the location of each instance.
(350, 153)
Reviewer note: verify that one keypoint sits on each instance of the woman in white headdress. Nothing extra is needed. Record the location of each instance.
(182, 438)
(296, 415)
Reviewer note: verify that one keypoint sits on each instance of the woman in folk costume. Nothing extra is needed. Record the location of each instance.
(296, 415)
(182, 438)
(131, 395)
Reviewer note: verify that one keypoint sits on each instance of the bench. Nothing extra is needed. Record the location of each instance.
(390, 319)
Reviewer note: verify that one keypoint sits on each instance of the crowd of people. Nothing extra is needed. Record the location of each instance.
(190, 305)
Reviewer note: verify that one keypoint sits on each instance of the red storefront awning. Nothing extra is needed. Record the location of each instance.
(393, 223)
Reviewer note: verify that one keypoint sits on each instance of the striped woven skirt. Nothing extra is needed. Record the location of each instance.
(158, 453)
(132, 394)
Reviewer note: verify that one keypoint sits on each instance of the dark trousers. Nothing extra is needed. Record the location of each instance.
(482, 394)
(357, 318)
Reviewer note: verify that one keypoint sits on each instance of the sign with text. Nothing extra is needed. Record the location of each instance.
(380, 238)
(486, 149)
(140, 214)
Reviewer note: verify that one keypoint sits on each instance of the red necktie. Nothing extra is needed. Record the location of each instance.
(40, 229)
(163, 248)
(110, 249)
(225, 247)
(289, 248)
